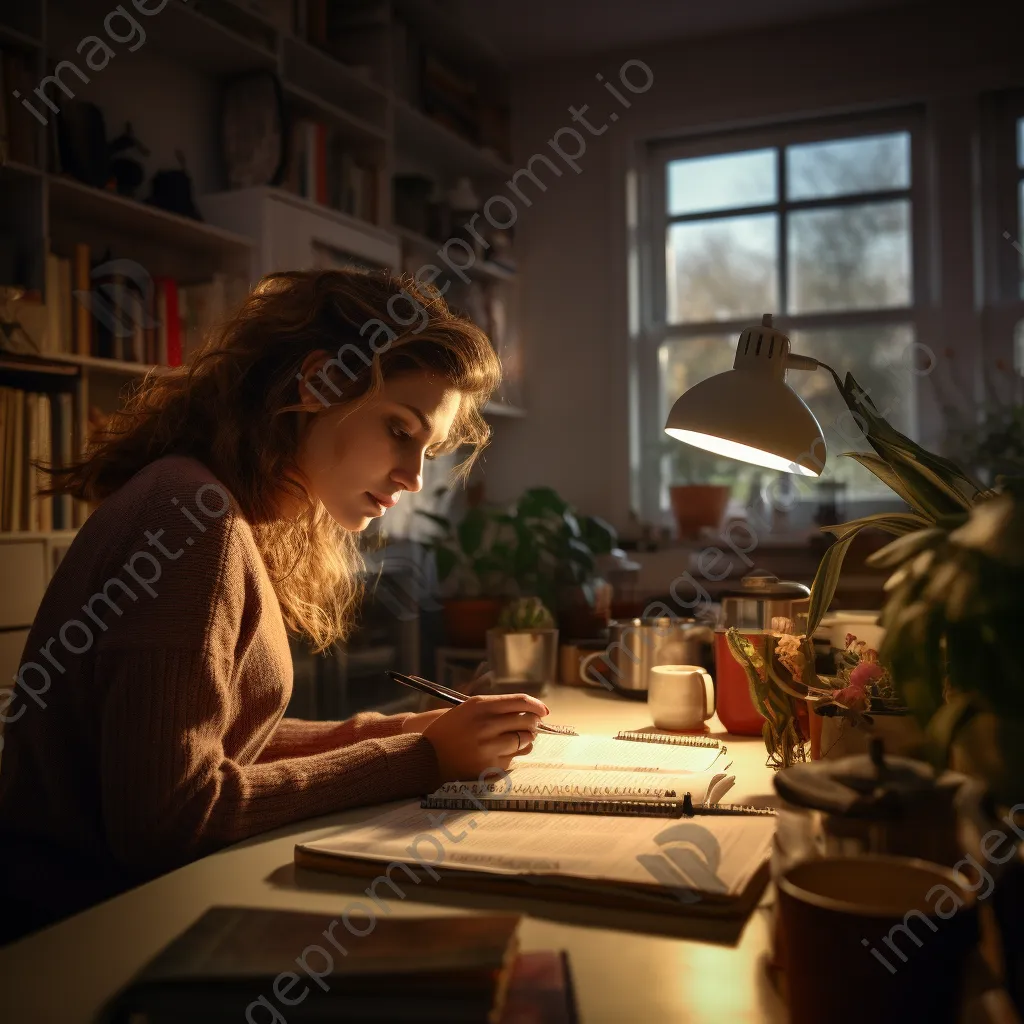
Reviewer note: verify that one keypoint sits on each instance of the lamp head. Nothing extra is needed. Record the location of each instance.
(749, 412)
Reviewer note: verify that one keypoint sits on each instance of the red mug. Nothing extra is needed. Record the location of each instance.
(736, 710)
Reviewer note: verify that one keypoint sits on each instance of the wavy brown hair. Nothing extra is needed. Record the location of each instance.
(236, 408)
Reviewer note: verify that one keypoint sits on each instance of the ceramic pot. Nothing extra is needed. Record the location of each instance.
(841, 737)
(698, 505)
(466, 620)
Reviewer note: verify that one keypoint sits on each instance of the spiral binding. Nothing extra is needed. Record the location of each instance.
(676, 741)
(632, 808)
(559, 792)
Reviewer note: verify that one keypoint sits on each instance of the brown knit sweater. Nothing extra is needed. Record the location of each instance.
(162, 738)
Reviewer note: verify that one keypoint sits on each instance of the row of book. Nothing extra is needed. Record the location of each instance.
(36, 426)
(115, 310)
(323, 169)
(19, 130)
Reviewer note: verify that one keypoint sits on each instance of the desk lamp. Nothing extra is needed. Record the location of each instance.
(749, 412)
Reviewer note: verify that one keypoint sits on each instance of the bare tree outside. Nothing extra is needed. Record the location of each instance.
(841, 257)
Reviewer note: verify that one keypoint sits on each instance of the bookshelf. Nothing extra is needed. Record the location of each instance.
(362, 83)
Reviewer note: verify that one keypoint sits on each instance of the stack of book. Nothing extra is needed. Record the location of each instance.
(35, 426)
(323, 169)
(116, 310)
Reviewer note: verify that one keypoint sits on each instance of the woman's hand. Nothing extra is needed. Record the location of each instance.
(486, 731)
(419, 722)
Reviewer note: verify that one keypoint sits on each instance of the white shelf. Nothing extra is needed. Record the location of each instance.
(71, 200)
(329, 212)
(118, 367)
(14, 167)
(482, 268)
(205, 44)
(318, 72)
(417, 133)
(355, 128)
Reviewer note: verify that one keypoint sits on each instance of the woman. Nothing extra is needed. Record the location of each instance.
(146, 726)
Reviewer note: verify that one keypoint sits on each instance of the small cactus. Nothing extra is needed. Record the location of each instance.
(526, 613)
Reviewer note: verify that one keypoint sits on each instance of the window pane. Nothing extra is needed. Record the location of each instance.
(706, 183)
(1020, 142)
(720, 269)
(848, 166)
(681, 365)
(876, 356)
(1019, 246)
(850, 257)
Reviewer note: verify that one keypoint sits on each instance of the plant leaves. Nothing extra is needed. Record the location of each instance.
(897, 552)
(446, 560)
(471, 530)
(881, 469)
(933, 493)
(826, 579)
(898, 523)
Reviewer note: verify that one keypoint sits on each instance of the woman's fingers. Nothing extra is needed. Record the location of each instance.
(506, 703)
(517, 721)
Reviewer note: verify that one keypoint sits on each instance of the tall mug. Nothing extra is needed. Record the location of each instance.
(680, 696)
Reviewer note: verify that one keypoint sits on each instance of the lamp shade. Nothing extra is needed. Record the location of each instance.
(749, 412)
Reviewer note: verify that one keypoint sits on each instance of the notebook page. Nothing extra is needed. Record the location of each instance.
(582, 784)
(602, 752)
(711, 855)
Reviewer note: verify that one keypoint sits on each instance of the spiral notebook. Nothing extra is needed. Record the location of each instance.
(633, 773)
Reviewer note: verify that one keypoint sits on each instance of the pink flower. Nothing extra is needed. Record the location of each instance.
(866, 673)
(851, 697)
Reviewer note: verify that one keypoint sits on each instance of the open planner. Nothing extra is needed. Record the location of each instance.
(474, 834)
(634, 773)
(702, 866)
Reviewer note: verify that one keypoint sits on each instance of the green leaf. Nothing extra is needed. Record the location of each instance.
(826, 579)
(881, 469)
(898, 523)
(471, 531)
(446, 561)
(445, 524)
(896, 552)
(933, 493)
(948, 720)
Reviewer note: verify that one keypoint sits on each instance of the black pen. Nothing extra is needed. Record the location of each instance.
(690, 811)
(453, 696)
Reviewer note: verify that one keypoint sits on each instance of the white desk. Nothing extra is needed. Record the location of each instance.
(626, 967)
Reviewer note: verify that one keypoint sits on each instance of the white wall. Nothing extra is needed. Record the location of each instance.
(571, 243)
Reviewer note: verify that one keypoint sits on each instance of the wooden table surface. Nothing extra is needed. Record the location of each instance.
(626, 966)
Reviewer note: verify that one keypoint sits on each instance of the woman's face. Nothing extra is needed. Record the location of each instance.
(359, 464)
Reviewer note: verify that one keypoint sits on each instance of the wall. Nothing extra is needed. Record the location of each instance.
(572, 244)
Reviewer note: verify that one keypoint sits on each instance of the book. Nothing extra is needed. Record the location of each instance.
(706, 866)
(80, 272)
(251, 963)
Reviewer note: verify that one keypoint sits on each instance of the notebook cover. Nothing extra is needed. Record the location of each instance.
(232, 955)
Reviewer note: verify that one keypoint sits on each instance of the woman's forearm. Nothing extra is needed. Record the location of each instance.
(299, 737)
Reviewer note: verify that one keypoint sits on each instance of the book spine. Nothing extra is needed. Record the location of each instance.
(676, 741)
(83, 319)
(628, 808)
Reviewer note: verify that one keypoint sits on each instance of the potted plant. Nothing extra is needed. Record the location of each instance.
(699, 488)
(471, 574)
(549, 551)
(522, 649)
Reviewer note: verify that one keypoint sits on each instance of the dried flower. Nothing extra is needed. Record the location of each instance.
(849, 640)
(852, 697)
(865, 673)
(788, 649)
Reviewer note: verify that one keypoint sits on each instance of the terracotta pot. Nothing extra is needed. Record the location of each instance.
(698, 505)
(466, 620)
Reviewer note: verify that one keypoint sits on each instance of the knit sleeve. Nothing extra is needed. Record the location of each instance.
(294, 737)
(170, 794)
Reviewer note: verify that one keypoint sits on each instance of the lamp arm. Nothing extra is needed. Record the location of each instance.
(798, 362)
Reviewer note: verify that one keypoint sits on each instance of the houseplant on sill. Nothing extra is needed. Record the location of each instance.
(522, 650)
(699, 489)
(471, 574)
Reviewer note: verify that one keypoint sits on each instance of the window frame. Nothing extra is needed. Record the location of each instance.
(652, 293)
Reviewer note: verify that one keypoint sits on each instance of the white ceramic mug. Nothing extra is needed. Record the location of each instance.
(680, 696)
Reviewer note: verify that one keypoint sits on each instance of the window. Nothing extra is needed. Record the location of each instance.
(813, 223)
